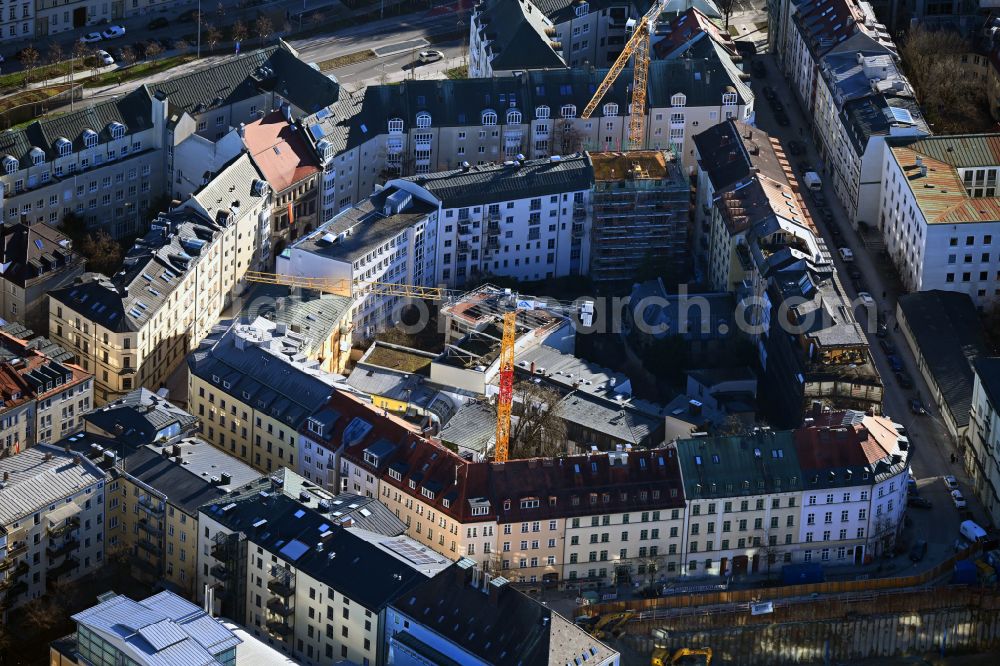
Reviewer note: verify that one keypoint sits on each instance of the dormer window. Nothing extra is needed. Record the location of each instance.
(89, 138)
(582, 9)
(542, 112)
(63, 146)
(423, 120)
(446, 503)
(395, 126)
(513, 117)
(610, 109)
(426, 492)
(729, 99)
(489, 118)
(506, 505)
(680, 99)
(11, 164)
(117, 130)
(394, 474)
(413, 484)
(529, 503)
(37, 156)
(568, 111)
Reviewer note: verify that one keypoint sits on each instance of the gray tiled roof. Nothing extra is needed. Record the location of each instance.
(988, 370)
(314, 314)
(516, 33)
(185, 477)
(486, 184)
(35, 481)
(258, 361)
(242, 77)
(559, 11)
(472, 427)
(139, 416)
(163, 630)
(234, 184)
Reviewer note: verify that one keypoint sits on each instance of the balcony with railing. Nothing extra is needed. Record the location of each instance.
(20, 570)
(17, 548)
(150, 547)
(283, 586)
(279, 629)
(153, 507)
(219, 571)
(278, 607)
(150, 527)
(67, 545)
(67, 566)
(578, 230)
(59, 529)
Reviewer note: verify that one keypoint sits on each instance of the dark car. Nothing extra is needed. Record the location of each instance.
(859, 285)
(904, 380)
(796, 148)
(895, 363)
(854, 273)
(769, 93)
(818, 198)
(918, 551)
(918, 502)
(777, 105)
(157, 23)
(827, 215)
(917, 407)
(758, 69)
(782, 119)
(887, 346)
(834, 231)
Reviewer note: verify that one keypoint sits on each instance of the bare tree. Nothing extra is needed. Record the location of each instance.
(212, 36)
(263, 28)
(102, 252)
(316, 19)
(29, 58)
(153, 49)
(768, 548)
(54, 53)
(128, 56)
(954, 99)
(238, 31)
(182, 46)
(726, 7)
(536, 429)
(566, 138)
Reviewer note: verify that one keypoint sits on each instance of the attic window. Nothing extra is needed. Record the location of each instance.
(489, 118)
(446, 503)
(513, 117)
(37, 156)
(729, 99)
(506, 505)
(63, 146)
(397, 476)
(11, 164)
(583, 9)
(610, 109)
(89, 138)
(413, 484)
(424, 120)
(680, 99)
(530, 503)
(568, 111)
(542, 112)
(117, 130)
(426, 492)
(395, 126)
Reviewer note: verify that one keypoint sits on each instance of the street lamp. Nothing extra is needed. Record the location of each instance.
(199, 29)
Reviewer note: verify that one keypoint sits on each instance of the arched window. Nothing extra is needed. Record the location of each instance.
(64, 146)
(89, 138)
(513, 117)
(729, 99)
(395, 125)
(489, 118)
(423, 119)
(117, 130)
(542, 112)
(680, 99)
(11, 164)
(610, 109)
(568, 111)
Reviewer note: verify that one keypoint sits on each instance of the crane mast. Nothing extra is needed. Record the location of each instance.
(637, 47)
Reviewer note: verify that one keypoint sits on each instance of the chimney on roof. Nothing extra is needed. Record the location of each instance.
(923, 170)
(497, 588)
(243, 130)
(817, 409)
(6, 477)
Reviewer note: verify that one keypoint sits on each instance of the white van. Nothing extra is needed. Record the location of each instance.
(972, 531)
(812, 180)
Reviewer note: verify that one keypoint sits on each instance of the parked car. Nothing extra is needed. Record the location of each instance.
(113, 32)
(758, 69)
(157, 23)
(777, 105)
(917, 407)
(887, 346)
(918, 502)
(859, 285)
(782, 119)
(895, 363)
(958, 499)
(866, 299)
(104, 57)
(430, 56)
(846, 253)
(904, 380)
(854, 273)
(796, 147)
(918, 551)
(769, 93)
(827, 216)
(950, 482)
(91, 38)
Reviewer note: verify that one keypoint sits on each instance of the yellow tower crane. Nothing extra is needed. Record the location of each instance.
(637, 47)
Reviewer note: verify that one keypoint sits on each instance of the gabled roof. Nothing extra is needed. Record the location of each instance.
(730, 151)
(279, 151)
(834, 451)
(518, 35)
(687, 28)
(30, 251)
(40, 476)
(759, 462)
(140, 416)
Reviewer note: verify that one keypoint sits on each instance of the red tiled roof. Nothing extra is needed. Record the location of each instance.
(279, 151)
(830, 443)
(686, 27)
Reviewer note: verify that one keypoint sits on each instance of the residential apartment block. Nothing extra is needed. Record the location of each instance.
(38, 259)
(103, 163)
(52, 515)
(120, 629)
(419, 127)
(982, 455)
(135, 328)
(253, 389)
(832, 491)
(766, 249)
(496, 623)
(843, 66)
(509, 36)
(939, 213)
(316, 589)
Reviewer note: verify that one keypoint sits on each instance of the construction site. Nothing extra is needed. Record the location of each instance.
(642, 205)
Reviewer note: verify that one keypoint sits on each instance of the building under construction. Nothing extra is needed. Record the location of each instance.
(642, 205)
